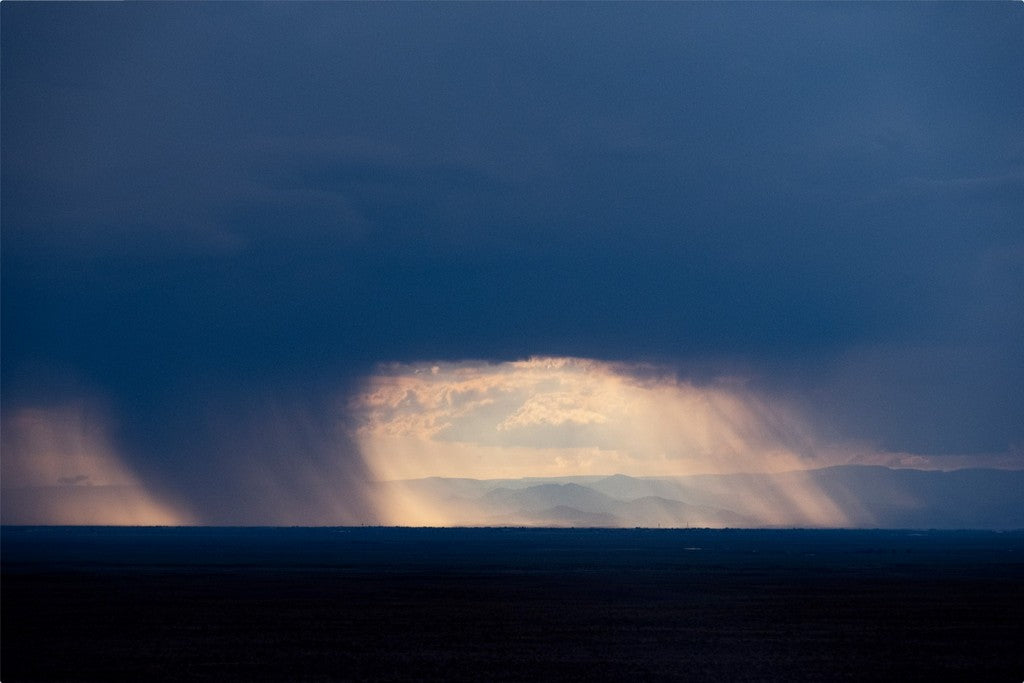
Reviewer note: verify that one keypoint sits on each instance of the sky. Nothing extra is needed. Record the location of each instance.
(249, 251)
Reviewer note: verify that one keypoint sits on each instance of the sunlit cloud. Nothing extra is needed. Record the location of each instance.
(59, 466)
(562, 417)
(565, 416)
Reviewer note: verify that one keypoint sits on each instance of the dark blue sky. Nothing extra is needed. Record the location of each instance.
(206, 205)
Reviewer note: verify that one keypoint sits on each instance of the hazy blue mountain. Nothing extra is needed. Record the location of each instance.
(575, 504)
(853, 496)
(628, 488)
(968, 498)
(545, 496)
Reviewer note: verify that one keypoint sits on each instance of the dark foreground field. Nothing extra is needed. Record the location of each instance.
(107, 604)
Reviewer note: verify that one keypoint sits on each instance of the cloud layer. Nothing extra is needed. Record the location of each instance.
(223, 217)
(559, 416)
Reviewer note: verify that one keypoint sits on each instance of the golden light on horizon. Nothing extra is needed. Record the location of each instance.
(570, 417)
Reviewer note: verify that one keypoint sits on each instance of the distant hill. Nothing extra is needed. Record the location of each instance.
(543, 496)
(850, 496)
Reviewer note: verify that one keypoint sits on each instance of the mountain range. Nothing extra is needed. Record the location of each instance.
(844, 496)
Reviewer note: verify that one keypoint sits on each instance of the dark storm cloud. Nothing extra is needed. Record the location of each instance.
(235, 198)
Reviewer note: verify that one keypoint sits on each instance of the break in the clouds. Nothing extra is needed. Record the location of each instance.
(558, 417)
(222, 218)
(568, 416)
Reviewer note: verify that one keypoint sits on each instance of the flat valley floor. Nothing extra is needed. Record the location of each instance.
(339, 604)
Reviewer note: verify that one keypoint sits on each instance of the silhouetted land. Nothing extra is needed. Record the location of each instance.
(105, 604)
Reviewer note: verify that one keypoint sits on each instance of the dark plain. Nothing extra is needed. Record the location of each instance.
(336, 604)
